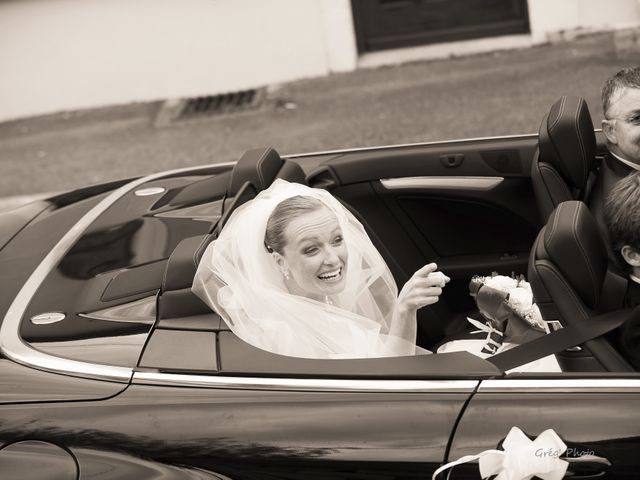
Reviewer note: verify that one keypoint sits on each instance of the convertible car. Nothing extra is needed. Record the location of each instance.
(111, 368)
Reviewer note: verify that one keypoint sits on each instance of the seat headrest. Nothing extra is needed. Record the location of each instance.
(567, 140)
(574, 244)
(258, 166)
(292, 172)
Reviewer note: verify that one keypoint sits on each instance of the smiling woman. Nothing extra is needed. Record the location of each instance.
(293, 272)
(306, 241)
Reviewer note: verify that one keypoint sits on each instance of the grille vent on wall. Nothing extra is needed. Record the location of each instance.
(209, 106)
(219, 104)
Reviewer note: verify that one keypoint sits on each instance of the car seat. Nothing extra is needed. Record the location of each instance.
(568, 268)
(564, 164)
(255, 171)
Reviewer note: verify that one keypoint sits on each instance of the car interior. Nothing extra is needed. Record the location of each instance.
(474, 207)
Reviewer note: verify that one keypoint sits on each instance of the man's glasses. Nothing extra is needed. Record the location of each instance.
(632, 120)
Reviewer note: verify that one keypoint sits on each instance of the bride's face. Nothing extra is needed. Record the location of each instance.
(315, 255)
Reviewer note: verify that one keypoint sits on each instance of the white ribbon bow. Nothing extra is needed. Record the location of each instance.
(521, 459)
(488, 329)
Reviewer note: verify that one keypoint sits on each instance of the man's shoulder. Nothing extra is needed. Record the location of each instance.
(632, 298)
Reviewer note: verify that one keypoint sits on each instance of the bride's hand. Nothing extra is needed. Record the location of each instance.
(422, 289)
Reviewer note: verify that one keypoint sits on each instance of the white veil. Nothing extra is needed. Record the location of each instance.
(239, 279)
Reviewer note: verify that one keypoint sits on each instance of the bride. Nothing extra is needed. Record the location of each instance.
(294, 272)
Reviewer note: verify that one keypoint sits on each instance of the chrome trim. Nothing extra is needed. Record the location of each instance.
(207, 212)
(304, 384)
(418, 144)
(145, 192)
(142, 310)
(405, 145)
(12, 345)
(48, 318)
(467, 183)
(560, 385)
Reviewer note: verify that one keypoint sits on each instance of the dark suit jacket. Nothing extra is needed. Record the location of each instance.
(611, 172)
(629, 332)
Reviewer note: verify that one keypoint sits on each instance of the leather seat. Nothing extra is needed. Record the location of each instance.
(255, 171)
(568, 269)
(564, 165)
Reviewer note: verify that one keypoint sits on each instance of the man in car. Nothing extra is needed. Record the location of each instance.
(621, 127)
(622, 217)
(621, 124)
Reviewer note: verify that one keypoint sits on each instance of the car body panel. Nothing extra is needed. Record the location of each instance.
(20, 384)
(35, 460)
(128, 394)
(597, 417)
(32, 243)
(13, 221)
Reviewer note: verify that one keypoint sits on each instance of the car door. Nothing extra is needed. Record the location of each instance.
(467, 205)
(207, 399)
(596, 416)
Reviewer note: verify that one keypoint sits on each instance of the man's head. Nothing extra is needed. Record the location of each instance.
(622, 215)
(621, 110)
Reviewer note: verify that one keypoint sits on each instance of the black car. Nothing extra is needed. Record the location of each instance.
(112, 368)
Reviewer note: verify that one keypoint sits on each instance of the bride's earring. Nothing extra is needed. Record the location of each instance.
(281, 265)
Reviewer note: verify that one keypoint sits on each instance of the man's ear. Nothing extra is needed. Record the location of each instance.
(630, 255)
(609, 131)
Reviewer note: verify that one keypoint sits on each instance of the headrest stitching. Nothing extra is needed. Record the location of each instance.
(572, 292)
(592, 274)
(259, 165)
(580, 141)
(553, 125)
(548, 198)
(560, 111)
(200, 245)
(558, 178)
(553, 227)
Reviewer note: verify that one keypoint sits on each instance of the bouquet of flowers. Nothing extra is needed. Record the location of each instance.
(506, 304)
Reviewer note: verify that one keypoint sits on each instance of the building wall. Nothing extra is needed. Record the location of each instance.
(547, 18)
(60, 55)
(70, 54)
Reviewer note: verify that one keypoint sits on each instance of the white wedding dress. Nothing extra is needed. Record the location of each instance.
(238, 278)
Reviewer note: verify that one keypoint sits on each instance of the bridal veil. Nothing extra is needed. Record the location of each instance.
(240, 280)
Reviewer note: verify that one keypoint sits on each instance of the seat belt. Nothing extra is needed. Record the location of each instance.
(562, 339)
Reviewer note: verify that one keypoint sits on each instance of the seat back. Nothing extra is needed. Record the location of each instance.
(568, 272)
(255, 171)
(564, 164)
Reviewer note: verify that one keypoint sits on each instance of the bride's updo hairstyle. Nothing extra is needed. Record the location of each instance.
(284, 212)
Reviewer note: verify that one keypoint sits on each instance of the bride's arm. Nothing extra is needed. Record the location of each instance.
(422, 289)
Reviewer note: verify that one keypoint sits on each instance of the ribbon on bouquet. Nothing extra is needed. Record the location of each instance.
(494, 336)
(520, 459)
